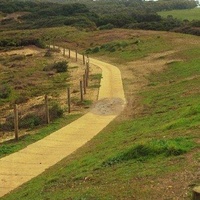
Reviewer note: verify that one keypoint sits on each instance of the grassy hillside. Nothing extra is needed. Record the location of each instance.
(151, 151)
(190, 14)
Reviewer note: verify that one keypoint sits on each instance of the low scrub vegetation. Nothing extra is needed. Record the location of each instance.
(18, 42)
(58, 67)
(83, 15)
(34, 118)
(5, 91)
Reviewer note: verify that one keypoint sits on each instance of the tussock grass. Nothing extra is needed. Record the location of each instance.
(153, 148)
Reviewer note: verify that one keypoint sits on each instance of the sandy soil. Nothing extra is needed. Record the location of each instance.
(24, 51)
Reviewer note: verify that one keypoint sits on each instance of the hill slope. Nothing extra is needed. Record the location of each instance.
(152, 150)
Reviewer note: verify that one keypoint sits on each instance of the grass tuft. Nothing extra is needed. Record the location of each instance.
(152, 149)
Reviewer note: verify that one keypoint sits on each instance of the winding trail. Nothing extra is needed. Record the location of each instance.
(28, 163)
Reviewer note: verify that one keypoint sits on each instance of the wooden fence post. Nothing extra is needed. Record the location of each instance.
(63, 51)
(81, 90)
(69, 53)
(84, 83)
(76, 55)
(86, 77)
(16, 122)
(83, 59)
(68, 100)
(47, 110)
(88, 69)
(87, 73)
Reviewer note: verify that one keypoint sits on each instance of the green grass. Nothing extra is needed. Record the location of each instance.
(96, 76)
(189, 14)
(125, 51)
(130, 157)
(152, 149)
(12, 146)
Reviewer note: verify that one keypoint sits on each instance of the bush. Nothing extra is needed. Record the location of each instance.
(96, 50)
(30, 121)
(5, 92)
(59, 67)
(9, 124)
(48, 53)
(55, 111)
(21, 99)
(106, 27)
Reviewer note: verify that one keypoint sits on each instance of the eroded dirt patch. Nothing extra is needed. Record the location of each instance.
(108, 106)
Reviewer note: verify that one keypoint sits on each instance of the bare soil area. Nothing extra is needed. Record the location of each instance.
(31, 50)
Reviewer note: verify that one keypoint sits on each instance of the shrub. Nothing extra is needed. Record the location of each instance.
(95, 50)
(21, 99)
(48, 53)
(9, 124)
(106, 27)
(55, 111)
(5, 91)
(58, 67)
(30, 121)
(61, 66)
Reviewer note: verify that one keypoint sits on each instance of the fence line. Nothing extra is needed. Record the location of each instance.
(83, 84)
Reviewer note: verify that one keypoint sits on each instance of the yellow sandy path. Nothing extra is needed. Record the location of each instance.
(22, 166)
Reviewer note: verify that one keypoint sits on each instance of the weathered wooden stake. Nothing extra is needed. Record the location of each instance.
(68, 100)
(63, 51)
(83, 59)
(88, 69)
(16, 122)
(84, 83)
(86, 77)
(76, 55)
(69, 53)
(47, 110)
(196, 193)
(81, 90)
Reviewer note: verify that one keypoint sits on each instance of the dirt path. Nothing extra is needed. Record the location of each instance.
(22, 166)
